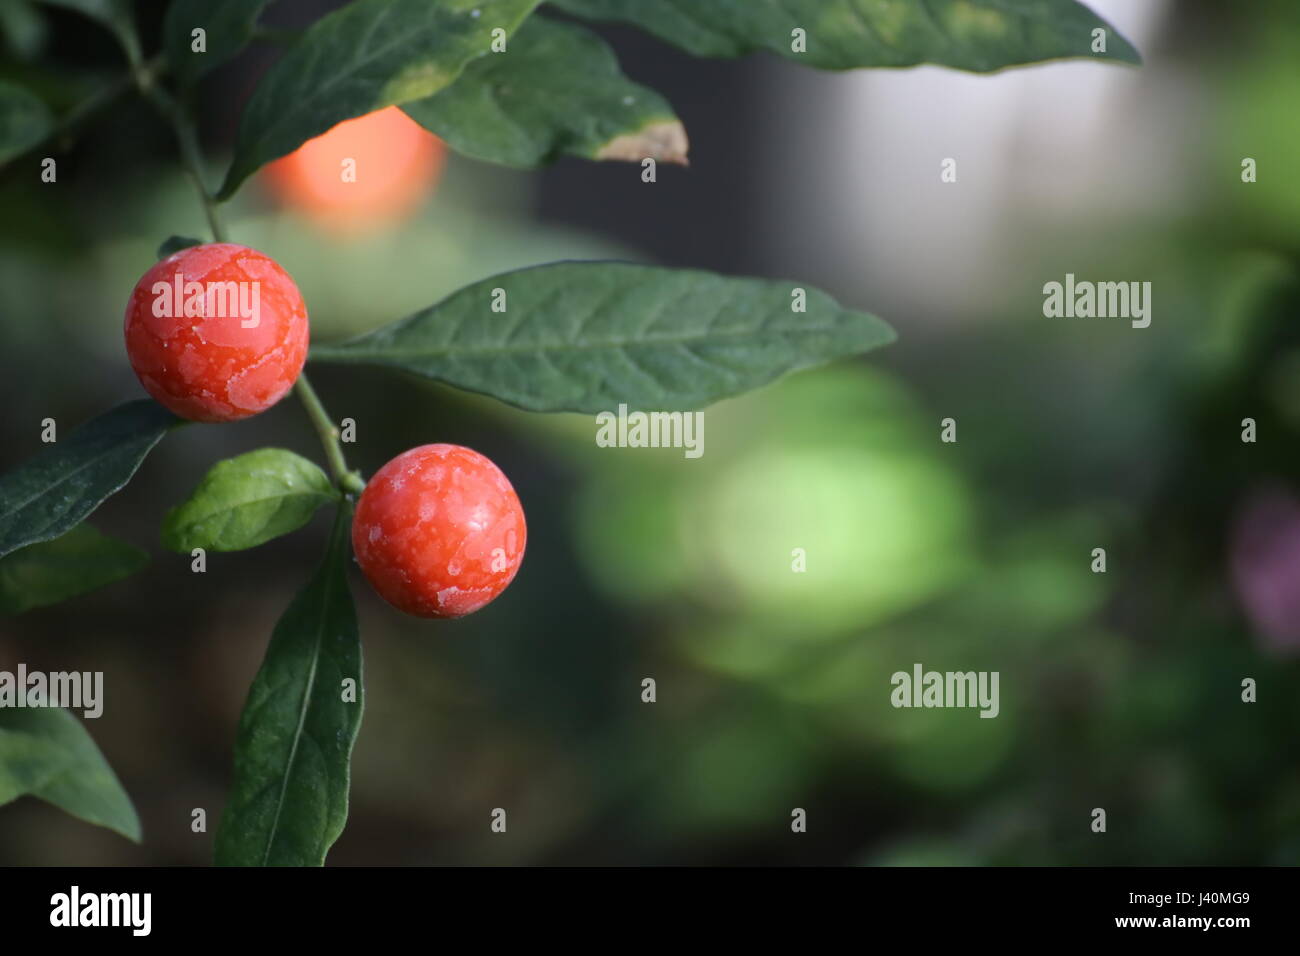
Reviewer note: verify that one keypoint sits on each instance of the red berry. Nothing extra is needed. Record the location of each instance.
(396, 160)
(439, 531)
(216, 333)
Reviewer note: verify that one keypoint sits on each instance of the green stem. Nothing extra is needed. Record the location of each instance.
(193, 159)
(191, 155)
(349, 482)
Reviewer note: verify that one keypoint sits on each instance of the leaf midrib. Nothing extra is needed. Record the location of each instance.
(359, 349)
(249, 502)
(748, 43)
(302, 715)
(67, 477)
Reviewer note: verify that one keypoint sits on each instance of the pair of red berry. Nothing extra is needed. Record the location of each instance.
(438, 532)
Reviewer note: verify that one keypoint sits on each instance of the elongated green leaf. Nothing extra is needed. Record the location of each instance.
(52, 492)
(557, 90)
(24, 121)
(977, 35)
(245, 501)
(52, 571)
(587, 336)
(290, 797)
(228, 27)
(46, 753)
(368, 55)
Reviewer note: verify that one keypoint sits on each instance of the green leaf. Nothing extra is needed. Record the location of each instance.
(228, 25)
(24, 121)
(46, 753)
(558, 89)
(52, 571)
(368, 55)
(24, 29)
(290, 797)
(587, 336)
(50, 493)
(176, 244)
(976, 35)
(246, 501)
(116, 15)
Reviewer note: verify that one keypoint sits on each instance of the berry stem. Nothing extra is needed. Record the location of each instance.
(193, 158)
(191, 155)
(349, 482)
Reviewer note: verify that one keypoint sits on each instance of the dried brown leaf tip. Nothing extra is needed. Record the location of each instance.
(662, 142)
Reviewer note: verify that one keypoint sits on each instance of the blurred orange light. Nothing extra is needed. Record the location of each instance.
(395, 164)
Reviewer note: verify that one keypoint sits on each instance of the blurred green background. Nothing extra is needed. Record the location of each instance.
(1118, 690)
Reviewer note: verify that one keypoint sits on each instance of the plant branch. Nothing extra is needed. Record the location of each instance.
(188, 142)
(349, 482)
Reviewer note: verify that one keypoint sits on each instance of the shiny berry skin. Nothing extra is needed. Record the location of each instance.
(439, 531)
(240, 348)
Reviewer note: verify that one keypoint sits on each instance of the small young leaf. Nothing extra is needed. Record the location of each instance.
(45, 752)
(368, 55)
(176, 244)
(976, 35)
(290, 797)
(246, 501)
(587, 336)
(559, 90)
(24, 121)
(52, 492)
(228, 26)
(52, 571)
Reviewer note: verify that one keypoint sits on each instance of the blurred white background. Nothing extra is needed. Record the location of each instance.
(1063, 140)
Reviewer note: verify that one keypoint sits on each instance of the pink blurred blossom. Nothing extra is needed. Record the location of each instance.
(1265, 559)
